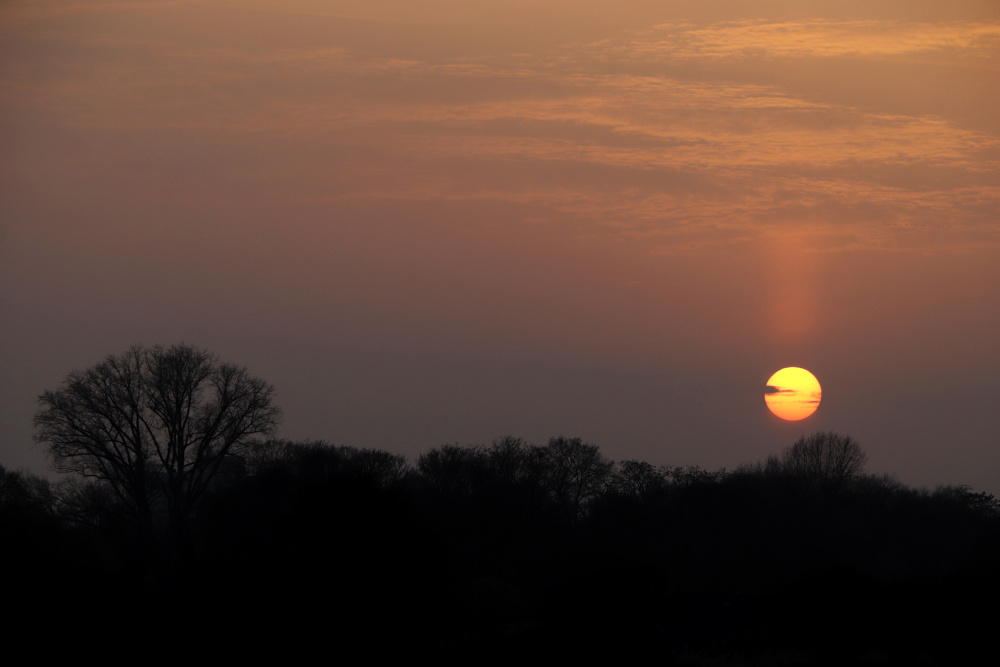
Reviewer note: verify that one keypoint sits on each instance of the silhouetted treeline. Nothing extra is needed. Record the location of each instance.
(512, 549)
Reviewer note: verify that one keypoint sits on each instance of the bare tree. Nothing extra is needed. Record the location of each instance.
(154, 423)
(513, 461)
(451, 469)
(827, 458)
(575, 472)
(24, 491)
(638, 478)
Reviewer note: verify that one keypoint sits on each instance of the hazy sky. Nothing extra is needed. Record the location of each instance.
(446, 221)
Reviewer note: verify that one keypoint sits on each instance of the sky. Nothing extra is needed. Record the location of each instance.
(443, 221)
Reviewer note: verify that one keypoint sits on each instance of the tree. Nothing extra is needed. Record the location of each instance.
(24, 491)
(513, 461)
(575, 472)
(980, 502)
(320, 460)
(452, 469)
(154, 424)
(639, 479)
(825, 458)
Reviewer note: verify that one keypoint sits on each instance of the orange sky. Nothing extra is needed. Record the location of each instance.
(429, 222)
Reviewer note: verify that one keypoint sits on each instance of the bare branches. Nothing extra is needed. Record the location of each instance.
(824, 458)
(158, 418)
(576, 471)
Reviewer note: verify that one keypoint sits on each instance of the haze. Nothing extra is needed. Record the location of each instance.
(435, 222)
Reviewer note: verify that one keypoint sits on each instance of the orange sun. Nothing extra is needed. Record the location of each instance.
(793, 393)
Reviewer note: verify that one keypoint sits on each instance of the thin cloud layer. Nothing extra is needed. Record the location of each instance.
(815, 38)
(750, 153)
(783, 154)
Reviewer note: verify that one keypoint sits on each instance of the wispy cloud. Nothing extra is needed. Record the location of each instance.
(809, 38)
(633, 150)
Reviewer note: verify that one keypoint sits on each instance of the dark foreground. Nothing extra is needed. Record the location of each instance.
(314, 552)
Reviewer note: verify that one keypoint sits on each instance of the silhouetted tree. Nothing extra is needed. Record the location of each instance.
(827, 458)
(575, 472)
(383, 468)
(22, 490)
(639, 478)
(514, 461)
(964, 495)
(93, 504)
(693, 475)
(261, 457)
(154, 423)
(452, 469)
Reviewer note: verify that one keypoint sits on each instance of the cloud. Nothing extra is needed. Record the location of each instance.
(630, 137)
(807, 38)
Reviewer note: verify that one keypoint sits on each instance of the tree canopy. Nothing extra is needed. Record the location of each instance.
(154, 424)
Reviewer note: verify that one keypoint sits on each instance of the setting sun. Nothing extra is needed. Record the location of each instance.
(793, 393)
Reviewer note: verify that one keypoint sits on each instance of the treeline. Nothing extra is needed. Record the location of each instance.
(511, 547)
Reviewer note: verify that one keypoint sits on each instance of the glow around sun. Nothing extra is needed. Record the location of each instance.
(793, 393)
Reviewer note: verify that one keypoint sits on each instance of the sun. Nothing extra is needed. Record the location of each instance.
(793, 393)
